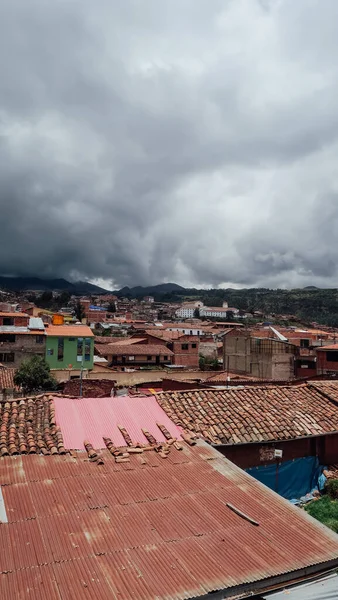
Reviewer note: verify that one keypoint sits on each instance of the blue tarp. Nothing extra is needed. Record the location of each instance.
(295, 478)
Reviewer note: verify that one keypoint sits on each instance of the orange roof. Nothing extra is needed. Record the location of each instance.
(330, 347)
(69, 330)
(14, 314)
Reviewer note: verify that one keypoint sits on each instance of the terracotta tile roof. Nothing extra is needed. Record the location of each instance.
(107, 339)
(252, 414)
(69, 330)
(28, 425)
(165, 334)
(151, 528)
(133, 350)
(329, 347)
(223, 376)
(7, 378)
(129, 341)
(327, 387)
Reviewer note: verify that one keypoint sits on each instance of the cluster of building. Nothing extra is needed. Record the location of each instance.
(271, 353)
(127, 498)
(158, 479)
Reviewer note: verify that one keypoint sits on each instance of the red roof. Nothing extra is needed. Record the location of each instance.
(132, 350)
(151, 528)
(7, 378)
(14, 314)
(95, 418)
(69, 330)
(330, 347)
(252, 414)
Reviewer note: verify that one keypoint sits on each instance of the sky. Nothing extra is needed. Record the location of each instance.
(193, 141)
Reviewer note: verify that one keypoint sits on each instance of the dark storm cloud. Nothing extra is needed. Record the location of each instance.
(189, 140)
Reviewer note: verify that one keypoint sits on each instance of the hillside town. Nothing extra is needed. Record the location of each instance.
(183, 440)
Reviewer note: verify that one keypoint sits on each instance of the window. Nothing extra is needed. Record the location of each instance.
(7, 337)
(185, 346)
(6, 357)
(149, 358)
(194, 345)
(61, 345)
(330, 356)
(87, 349)
(79, 351)
(39, 339)
(8, 321)
(304, 343)
(50, 351)
(190, 331)
(165, 358)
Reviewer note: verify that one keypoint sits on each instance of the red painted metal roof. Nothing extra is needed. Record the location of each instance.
(93, 418)
(148, 529)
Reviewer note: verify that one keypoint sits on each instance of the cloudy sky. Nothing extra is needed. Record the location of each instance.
(193, 141)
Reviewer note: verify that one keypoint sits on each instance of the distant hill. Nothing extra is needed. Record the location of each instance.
(17, 284)
(140, 291)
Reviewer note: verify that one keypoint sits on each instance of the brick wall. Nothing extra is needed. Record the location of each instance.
(25, 346)
(324, 365)
(273, 362)
(186, 352)
(16, 321)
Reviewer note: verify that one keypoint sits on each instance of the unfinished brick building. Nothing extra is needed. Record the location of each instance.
(264, 358)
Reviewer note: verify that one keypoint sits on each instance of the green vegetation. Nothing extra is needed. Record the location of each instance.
(34, 376)
(207, 363)
(303, 305)
(324, 510)
(79, 312)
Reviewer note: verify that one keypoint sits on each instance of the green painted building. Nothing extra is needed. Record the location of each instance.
(69, 346)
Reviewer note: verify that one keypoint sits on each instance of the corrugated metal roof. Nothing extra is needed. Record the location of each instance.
(36, 323)
(95, 418)
(148, 529)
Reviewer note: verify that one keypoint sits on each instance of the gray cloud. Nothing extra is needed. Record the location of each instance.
(189, 140)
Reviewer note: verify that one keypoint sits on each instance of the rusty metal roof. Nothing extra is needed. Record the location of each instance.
(149, 529)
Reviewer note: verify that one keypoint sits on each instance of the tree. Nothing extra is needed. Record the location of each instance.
(79, 312)
(197, 313)
(34, 375)
(111, 307)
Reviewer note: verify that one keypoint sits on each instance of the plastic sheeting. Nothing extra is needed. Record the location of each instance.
(323, 589)
(291, 479)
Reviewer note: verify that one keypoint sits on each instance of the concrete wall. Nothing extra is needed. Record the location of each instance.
(209, 349)
(70, 353)
(136, 377)
(25, 346)
(236, 356)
